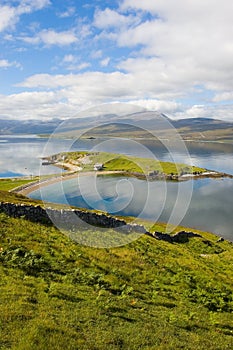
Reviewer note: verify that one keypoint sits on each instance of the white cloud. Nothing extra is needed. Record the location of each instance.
(222, 112)
(92, 85)
(68, 13)
(110, 18)
(223, 96)
(156, 79)
(31, 40)
(188, 42)
(27, 6)
(6, 64)
(69, 58)
(181, 48)
(10, 15)
(35, 105)
(105, 62)
(50, 37)
(77, 90)
(187, 10)
(162, 106)
(83, 65)
(72, 63)
(66, 95)
(121, 85)
(93, 88)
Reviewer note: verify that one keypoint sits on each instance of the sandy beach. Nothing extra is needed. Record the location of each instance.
(31, 187)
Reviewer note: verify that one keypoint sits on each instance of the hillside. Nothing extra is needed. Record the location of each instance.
(149, 294)
(198, 129)
(132, 125)
(14, 126)
(146, 125)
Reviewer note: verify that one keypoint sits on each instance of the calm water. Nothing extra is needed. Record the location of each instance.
(211, 201)
(210, 208)
(20, 155)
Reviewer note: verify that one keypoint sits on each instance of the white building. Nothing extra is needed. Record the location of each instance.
(98, 166)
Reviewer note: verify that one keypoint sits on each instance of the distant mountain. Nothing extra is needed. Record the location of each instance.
(112, 123)
(12, 126)
(147, 120)
(201, 124)
(130, 125)
(139, 125)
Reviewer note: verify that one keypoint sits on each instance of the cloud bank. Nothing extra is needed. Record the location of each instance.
(172, 56)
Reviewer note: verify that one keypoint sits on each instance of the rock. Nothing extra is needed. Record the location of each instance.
(183, 236)
(179, 237)
(162, 236)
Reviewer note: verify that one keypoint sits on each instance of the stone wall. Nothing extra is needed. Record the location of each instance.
(68, 219)
(29, 212)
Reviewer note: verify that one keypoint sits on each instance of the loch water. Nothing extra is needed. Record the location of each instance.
(211, 200)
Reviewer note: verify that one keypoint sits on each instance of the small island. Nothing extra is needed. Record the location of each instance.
(105, 163)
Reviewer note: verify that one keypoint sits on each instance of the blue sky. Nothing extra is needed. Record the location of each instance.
(60, 57)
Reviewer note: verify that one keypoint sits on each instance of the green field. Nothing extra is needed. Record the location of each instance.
(10, 184)
(118, 162)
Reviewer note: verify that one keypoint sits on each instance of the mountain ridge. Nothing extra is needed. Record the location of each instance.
(112, 123)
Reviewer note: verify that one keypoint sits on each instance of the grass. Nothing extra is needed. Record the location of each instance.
(17, 198)
(10, 184)
(143, 165)
(117, 162)
(149, 294)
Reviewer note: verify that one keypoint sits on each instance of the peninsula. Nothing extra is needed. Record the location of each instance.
(112, 163)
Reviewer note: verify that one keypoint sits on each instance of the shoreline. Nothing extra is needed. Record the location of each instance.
(226, 142)
(33, 186)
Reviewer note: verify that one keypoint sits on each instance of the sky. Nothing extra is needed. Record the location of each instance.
(61, 57)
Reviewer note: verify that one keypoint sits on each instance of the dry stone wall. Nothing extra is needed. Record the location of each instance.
(69, 219)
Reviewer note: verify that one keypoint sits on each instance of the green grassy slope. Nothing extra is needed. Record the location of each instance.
(119, 162)
(149, 294)
(17, 198)
(10, 184)
(143, 165)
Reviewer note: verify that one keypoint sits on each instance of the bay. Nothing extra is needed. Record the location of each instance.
(210, 208)
(211, 202)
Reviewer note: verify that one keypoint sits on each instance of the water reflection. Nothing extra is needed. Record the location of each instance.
(210, 208)
(211, 205)
(20, 155)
